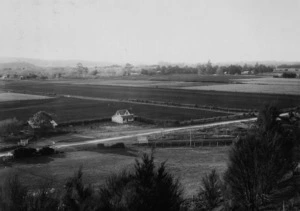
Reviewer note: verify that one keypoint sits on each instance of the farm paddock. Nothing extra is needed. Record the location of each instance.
(188, 164)
(199, 97)
(66, 109)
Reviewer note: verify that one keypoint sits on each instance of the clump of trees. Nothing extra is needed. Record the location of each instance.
(42, 123)
(289, 75)
(209, 69)
(146, 187)
(261, 173)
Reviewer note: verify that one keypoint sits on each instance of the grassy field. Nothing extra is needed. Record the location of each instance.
(70, 109)
(252, 88)
(189, 164)
(6, 96)
(214, 98)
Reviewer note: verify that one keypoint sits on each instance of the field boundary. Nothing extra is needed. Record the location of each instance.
(186, 143)
(195, 106)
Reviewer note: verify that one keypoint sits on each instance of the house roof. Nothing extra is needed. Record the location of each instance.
(123, 112)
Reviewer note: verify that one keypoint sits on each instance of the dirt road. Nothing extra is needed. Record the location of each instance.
(158, 131)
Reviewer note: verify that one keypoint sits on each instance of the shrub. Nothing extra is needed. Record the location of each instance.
(24, 152)
(77, 196)
(46, 151)
(119, 145)
(289, 75)
(101, 146)
(210, 193)
(257, 163)
(13, 194)
(146, 188)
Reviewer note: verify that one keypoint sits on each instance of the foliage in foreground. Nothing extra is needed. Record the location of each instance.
(147, 187)
(260, 163)
(210, 193)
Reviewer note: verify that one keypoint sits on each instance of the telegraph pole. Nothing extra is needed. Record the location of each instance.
(190, 137)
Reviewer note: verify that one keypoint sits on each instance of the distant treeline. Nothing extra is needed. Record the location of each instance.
(289, 66)
(209, 69)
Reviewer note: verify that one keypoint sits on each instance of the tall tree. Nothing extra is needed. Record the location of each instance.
(146, 188)
(260, 162)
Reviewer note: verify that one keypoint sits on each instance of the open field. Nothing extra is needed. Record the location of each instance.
(71, 109)
(171, 81)
(256, 85)
(200, 97)
(295, 82)
(7, 96)
(252, 88)
(189, 164)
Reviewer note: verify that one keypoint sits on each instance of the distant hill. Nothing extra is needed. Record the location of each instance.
(55, 63)
(18, 66)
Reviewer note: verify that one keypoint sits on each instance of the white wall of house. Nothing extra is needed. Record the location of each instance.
(117, 119)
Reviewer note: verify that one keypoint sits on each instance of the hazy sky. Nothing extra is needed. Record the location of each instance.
(151, 30)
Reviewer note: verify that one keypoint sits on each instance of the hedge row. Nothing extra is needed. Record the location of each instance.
(26, 152)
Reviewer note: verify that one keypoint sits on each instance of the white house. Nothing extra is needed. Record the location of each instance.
(122, 116)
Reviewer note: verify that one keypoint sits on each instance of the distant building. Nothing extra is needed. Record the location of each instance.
(245, 73)
(122, 116)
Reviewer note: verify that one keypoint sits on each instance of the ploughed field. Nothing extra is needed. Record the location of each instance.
(200, 97)
(72, 109)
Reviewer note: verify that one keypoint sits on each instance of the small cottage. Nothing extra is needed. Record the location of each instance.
(122, 116)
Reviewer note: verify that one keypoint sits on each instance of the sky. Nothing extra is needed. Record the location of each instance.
(150, 31)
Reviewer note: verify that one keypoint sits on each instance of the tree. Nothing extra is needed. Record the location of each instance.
(13, 195)
(77, 196)
(267, 118)
(210, 193)
(259, 163)
(41, 122)
(146, 188)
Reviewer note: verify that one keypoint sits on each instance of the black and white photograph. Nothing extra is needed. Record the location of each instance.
(149, 105)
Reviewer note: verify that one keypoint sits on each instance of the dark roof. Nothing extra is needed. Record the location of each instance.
(122, 112)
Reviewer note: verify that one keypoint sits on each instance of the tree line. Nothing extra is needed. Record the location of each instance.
(209, 69)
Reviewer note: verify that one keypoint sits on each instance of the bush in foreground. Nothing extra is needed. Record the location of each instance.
(146, 188)
(210, 193)
(260, 162)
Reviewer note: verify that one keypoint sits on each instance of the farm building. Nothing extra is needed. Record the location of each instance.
(122, 116)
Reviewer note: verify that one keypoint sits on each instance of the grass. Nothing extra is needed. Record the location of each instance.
(71, 109)
(200, 97)
(16, 97)
(189, 164)
(252, 88)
